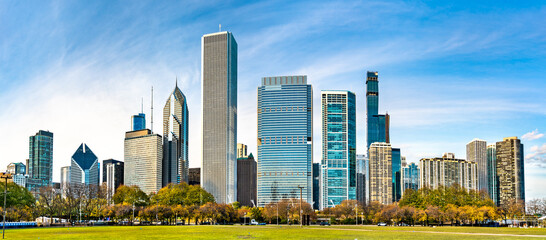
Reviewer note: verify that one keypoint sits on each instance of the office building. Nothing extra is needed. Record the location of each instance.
(410, 177)
(175, 138)
(20, 179)
(446, 171)
(241, 151)
(361, 178)
(65, 178)
(112, 175)
(510, 171)
(476, 151)
(380, 173)
(316, 186)
(143, 155)
(338, 147)
(492, 179)
(219, 99)
(396, 174)
(138, 122)
(246, 181)
(285, 139)
(194, 176)
(40, 164)
(84, 167)
(16, 168)
(378, 124)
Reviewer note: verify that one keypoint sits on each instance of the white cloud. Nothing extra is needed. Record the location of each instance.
(533, 135)
(537, 156)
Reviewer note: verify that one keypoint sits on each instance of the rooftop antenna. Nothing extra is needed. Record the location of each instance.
(152, 114)
(142, 105)
(219, 27)
(176, 83)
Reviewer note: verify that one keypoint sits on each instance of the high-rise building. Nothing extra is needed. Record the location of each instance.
(84, 167)
(316, 185)
(492, 179)
(285, 139)
(241, 151)
(338, 147)
(175, 138)
(380, 173)
(40, 165)
(446, 171)
(143, 155)
(65, 177)
(476, 151)
(361, 178)
(396, 174)
(378, 124)
(138, 122)
(246, 181)
(510, 171)
(16, 168)
(112, 175)
(219, 99)
(194, 176)
(410, 177)
(20, 179)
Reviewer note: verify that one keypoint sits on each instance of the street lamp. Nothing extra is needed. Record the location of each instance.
(301, 212)
(5, 176)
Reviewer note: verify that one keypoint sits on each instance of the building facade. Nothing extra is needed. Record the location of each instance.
(219, 99)
(65, 177)
(476, 151)
(378, 124)
(510, 171)
(493, 180)
(84, 167)
(338, 147)
(396, 174)
(112, 175)
(16, 168)
(285, 139)
(143, 155)
(20, 179)
(446, 171)
(194, 176)
(316, 185)
(40, 163)
(175, 138)
(246, 181)
(361, 178)
(410, 177)
(138, 122)
(380, 173)
(241, 150)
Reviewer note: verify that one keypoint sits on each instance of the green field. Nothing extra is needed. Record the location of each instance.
(274, 232)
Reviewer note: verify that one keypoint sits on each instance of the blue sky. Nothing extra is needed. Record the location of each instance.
(449, 72)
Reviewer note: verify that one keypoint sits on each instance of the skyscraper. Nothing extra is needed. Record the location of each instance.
(285, 139)
(138, 122)
(40, 166)
(143, 154)
(492, 179)
(65, 178)
(510, 171)
(338, 147)
(219, 99)
(380, 172)
(396, 174)
(112, 175)
(246, 181)
(175, 138)
(361, 178)
(316, 185)
(476, 151)
(410, 177)
(241, 151)
(378, 125)
(84, 167)
(446, 171)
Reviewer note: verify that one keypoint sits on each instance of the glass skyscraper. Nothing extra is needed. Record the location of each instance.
(396, 174)
(362, 178)
(219, 99)
(338, 147)
(175, 138)
(84, 168)
(40, 160)
(285, 139)
(493, 181)
(138, 122)
(378, 125)
(410, 177)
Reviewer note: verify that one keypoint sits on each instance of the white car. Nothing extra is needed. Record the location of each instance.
(253, 222)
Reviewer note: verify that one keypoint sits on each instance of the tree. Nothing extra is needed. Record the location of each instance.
(17, 196)
(131, 195)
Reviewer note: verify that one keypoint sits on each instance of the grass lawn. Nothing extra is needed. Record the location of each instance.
(273, 232)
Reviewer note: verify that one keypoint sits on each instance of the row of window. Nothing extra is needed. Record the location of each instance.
(284, 174)
(284, 109)
(286, 140)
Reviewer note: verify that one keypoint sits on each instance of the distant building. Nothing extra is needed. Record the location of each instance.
(16, 168)
(446, 171)
(396, 174)
(492, 179)
(476, 151)
(112, 175)
(84, 168)
(246, 181)
(175, 138)
(510, 171)
(65, 178)
(410, 177)
(143, 155)
(40, 165)
(361, 178)
(194, 176)
(378, 124)
(20, 179)
(241, 151)
(219, 116)
(138, 122)
(316, 185)
(380, 173)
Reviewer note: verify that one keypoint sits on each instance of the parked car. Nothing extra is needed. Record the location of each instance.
(253, 222)
(382, 224)
(324, 223)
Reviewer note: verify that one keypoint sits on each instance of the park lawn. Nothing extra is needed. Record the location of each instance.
(250, 232)
(494, 230)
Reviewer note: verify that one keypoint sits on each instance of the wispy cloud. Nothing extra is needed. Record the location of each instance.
(537, 156)
(533, 135)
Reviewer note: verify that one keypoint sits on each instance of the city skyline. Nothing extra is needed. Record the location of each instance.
(429, 89)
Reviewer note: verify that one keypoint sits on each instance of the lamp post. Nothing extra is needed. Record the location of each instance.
(277, 212)
(301, 212)
(5, 176)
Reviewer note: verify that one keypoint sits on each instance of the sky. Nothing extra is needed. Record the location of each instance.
(448, 72)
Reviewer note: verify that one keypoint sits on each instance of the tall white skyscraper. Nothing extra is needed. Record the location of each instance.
(476, 151)
(175, 138)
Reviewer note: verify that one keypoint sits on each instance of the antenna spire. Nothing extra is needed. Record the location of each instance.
(142, 105)
(219, 27)
(176, 84)
(152, 114)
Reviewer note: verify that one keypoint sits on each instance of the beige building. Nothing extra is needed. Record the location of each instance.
(380, 161)
(143, 160)
(446, 171)
(241, 151)
(476, 151)
(510, 169)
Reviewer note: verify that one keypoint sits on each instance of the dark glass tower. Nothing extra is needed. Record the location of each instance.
(40, 165)
(396, 174)
(378, 125)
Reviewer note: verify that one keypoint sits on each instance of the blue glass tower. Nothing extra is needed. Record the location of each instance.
(40, 160)
(410, 176)
(378, 124)
(139, 121)
(493, 181)
(285, 143)
(339, 147)
(84, 168)
(396, 174)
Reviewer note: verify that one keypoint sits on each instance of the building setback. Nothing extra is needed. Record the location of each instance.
(338, 147)
(40, 163)
(492, 179)
(380, 173)
(219, 99)
(112, 175)
(246, 181)
(510, 171)
(446, 171)
(143, 155)
(410, 177)
(285, 139)
(476, 151)
(84, 167)
(175, 138)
